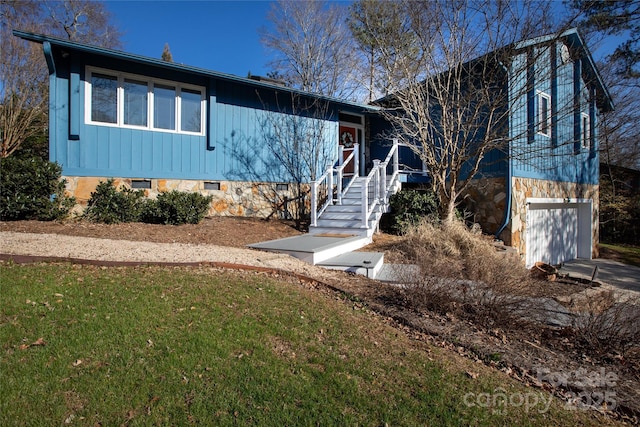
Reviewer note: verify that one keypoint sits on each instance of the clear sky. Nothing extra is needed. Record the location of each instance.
(213, 34)
(219, 35)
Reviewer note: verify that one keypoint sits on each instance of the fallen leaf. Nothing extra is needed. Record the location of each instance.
(78, 362)
(473, 375)
(39, 341)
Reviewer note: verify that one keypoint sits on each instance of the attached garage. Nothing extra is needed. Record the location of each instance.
(558, 230)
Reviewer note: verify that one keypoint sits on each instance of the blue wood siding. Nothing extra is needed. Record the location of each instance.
(559, 157)
(234, 120)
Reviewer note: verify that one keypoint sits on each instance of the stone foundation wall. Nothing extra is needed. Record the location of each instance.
(486, 200)
(524, 188)
(234, 198)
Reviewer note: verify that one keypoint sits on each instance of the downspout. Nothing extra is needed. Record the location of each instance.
(507, 211)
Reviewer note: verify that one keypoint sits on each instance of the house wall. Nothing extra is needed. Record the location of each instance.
(486, 200)
(235, 146)
(559, 156)
(527, 188)
(234, 198)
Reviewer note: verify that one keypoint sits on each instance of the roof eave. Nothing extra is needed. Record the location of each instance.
(144, 60)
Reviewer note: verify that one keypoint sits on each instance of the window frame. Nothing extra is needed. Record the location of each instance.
(539, 113)
(585, 134)
(151, 84)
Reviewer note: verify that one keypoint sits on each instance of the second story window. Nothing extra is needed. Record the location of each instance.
(543, 114)
(585, 130)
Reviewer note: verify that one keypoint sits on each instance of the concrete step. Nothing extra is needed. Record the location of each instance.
(362, 232)
(317, 247)
(365, 263)
(343, 223)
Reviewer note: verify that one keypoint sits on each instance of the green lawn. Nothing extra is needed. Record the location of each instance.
(624, 253)
(173, 346)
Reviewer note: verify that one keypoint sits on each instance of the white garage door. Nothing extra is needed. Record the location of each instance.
(558, 232)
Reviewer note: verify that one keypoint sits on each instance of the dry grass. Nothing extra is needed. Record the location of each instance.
(460, 272)
(604, 325)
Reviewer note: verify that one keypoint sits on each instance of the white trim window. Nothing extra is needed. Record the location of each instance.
(543, 113)
(137, 102)
(585, 130)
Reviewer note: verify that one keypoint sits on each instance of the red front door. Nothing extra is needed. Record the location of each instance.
(348, 137)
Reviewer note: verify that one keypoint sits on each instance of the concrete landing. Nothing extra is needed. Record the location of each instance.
(314, 249)
(364, 263)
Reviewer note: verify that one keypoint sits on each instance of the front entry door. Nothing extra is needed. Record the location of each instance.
(348, 137)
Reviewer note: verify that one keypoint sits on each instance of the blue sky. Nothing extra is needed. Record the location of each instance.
(216, 35)
(213, 34)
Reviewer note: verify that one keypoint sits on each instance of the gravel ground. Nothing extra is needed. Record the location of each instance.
(56, 245)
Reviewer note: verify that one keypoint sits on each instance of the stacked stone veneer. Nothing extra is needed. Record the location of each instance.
(486, 200)
(524, 188)
(234, 198)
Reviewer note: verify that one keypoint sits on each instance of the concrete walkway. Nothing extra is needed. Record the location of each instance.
(620, 276)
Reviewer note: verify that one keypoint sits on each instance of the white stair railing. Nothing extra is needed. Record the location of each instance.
(375, 189)
(342, 163)
(316, 187)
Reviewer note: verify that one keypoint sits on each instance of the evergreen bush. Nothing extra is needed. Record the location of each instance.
(176, 207)
(409, 207)
(31, 188)
(110, 206)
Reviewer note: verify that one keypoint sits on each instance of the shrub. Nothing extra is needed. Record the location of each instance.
(110, 206)
(409, 207)
(31, 188)
(459, 271)
(177, 207)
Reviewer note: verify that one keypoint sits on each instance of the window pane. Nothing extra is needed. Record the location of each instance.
(191, 114)
(104, 98)
(135, 103)
(164, 107)
(544, 114)
(585, 131)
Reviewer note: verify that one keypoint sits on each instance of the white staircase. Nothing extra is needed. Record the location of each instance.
(345, 212)
(355, 208)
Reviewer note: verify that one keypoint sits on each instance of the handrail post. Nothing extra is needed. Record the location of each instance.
(383, 183)
(314, 203)
(365, 202)
(339, 178)
(356, 159)
(376, 180)
(396, 163)
(330, 182)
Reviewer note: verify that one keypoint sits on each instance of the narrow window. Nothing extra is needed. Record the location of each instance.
(191, 106)
(135, 102)
(104, 98)
(282, 187)
(208, 185)
(164, 107)
(585, 130)
(544, 114)
(140, 183)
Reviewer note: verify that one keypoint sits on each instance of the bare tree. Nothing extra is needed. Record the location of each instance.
(311, 46)
(291, 147)
(23, 71)
(619, 130)
(452, 102)
(383, 37)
